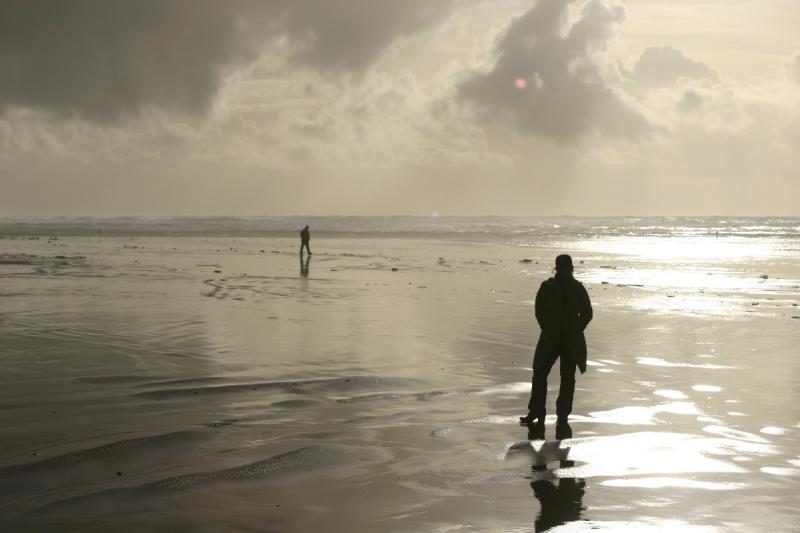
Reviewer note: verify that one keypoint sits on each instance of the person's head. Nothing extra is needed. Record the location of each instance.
(306, 227)
(563, 264)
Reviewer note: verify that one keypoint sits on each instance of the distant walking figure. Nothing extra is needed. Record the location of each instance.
(563, 311)
(305, 238)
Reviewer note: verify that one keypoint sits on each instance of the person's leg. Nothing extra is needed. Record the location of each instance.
(536, 405)
(567, 390)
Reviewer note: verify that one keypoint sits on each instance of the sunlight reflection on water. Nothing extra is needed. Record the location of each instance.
(689, 249)
(640, 415)
(646, 453)
(665, 526)
(706, 388)
(671, 394)
(694, 278)
(655, 361)
(690, 275)
(662, 482)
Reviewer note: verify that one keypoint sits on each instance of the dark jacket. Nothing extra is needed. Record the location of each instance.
(563, 311)
(305, 235)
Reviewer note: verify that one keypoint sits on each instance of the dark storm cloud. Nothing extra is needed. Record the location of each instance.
(663, 66)
(351, 33)
(547, 81)
(106, 59)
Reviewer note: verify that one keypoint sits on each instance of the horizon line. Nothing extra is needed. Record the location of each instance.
(431, 216)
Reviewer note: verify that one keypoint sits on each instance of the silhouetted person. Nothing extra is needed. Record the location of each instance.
(305, 238)
(304, 265)
(563, 311)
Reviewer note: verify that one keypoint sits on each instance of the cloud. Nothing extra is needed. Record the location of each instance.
(350, 34)
(792, 67)
(106, 58)
(294, 120)
(109, 59)
(663, 66)
(552, 78)
(690, 101)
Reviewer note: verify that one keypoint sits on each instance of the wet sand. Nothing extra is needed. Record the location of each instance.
(212, 384)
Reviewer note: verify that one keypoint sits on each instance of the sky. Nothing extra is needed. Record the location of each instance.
(381, 107)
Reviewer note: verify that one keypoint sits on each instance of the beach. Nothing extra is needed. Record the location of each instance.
(202, 376)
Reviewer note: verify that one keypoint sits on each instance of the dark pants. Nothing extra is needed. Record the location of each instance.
(536, 405)
(306, 246)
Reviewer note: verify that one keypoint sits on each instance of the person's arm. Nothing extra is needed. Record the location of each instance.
(539, 307)
(586, 308)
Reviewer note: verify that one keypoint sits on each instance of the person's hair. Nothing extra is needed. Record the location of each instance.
(563, 263)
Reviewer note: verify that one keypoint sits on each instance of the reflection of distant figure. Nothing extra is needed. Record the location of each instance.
(305, 238)
(304, 265)
(560, 503)
(563, 311)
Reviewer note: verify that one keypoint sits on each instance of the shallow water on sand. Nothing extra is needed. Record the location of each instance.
(210, 384)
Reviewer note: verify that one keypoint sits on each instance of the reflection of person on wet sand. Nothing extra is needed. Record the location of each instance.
(304, 263)
(561, 499)
(305, 238)
(563, 311)
(560, 503)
